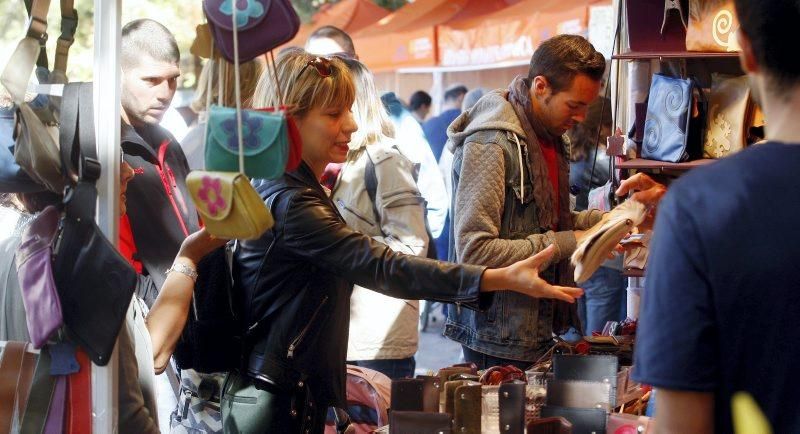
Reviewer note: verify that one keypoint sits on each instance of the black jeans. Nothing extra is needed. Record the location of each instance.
(485, 361)
(249, 406)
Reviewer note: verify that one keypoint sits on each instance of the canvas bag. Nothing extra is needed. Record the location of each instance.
(712, 26)
(228, 203)
(262, 25)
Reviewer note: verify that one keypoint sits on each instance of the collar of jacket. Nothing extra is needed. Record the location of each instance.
(134, 144)
(306, 176)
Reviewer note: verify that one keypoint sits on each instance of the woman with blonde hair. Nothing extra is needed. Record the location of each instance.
(377, 195)
(294, 283)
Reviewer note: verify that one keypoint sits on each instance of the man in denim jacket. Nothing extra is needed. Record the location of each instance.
(511, 196)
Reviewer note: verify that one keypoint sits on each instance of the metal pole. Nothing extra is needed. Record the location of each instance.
(107, 124)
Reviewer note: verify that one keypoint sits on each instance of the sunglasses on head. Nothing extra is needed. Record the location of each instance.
(321, 64)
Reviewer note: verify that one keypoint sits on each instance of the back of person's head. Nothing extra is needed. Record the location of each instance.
(471, 98)
(374, 124)
(765, 24)
(150, 38)
(454, 92)
(584, 136)
(560, 58)
(393, 104)
(307, 82)
(330, 40)
(419, 99)
(249, 73)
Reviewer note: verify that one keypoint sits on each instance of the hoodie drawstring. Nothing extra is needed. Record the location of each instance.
(521, 169)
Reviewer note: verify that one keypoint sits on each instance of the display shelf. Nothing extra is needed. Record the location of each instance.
(643, 164)
(635, 55)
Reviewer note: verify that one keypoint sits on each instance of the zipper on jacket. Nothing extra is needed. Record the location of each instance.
(299, 338)
(162, 151)
(351, 211)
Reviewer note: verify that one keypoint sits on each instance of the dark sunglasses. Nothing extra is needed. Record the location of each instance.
(321, 64)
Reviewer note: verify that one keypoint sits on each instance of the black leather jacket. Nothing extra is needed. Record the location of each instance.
(296, 294)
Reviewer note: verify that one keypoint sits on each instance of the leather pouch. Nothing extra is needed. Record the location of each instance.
(512, 408)
(261, 25)
(230, 206)
(583, 420)
(408, 394)
(467, 409)
(675, 120)
(729, 110)
(587, 368)
(265, 142)
(444, 375)
(712, 26)
(579, 394)
(417, 422)
(550, 425)
(430, 393)
(450, 394)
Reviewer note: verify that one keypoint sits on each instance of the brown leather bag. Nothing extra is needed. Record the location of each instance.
(712, 26)
(16, 373)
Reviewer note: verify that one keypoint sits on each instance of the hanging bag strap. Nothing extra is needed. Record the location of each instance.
(41, 395)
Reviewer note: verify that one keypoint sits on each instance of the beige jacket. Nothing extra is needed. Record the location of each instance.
(383, 327)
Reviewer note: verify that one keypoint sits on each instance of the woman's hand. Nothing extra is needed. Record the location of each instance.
(523, 277)
(198, 245)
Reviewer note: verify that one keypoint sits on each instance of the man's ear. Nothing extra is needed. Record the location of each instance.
(746, 57)
(540, 87)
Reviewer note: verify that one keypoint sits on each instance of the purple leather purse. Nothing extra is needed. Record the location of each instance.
(35, 273)
(261, 25)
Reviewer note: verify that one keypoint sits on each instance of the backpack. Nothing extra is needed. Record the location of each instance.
(368, 399)
(371, 185)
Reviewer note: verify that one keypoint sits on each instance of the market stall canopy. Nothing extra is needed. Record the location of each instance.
(511, 34)
(348, 15)
(407, 37)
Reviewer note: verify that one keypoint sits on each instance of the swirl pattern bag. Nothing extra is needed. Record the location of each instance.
(673, 128)
(712, 26)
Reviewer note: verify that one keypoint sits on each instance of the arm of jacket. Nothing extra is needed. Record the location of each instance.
(399, 206)
(412, 144)
(584, 220)
(479, 201)
(314, 232)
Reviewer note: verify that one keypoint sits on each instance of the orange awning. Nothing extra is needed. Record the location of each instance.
(512, 33)
(407, 37)
(348, 15)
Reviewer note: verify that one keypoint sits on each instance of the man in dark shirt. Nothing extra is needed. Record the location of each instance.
(436, 127)
(722, 298)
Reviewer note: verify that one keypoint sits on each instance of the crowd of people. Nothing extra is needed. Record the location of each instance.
(479, 206)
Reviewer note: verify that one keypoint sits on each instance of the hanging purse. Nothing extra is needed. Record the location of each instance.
(95, 283)
(729, 112)
(673, 129)
(650, 31)
(34, 259)
(712, 26)
(228, 203)
(261, 25)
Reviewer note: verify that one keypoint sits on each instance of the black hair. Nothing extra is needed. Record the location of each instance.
(766, 23)
(337, 34)
(455, 92)
(419, 99)
(560, 58)
(145, 36)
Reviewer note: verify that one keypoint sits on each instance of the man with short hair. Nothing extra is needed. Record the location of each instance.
(511, 197)
(436, 127)
(328, 40)
(721, 301)
(420, 105)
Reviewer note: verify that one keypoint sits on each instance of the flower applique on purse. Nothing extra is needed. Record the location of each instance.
(229, 205)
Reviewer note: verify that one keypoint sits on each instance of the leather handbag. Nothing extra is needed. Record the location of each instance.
(16, 373)
(202, 46)
(467, 409)
(729, 110)
(417, 422)
(295, 141)
(579, 394)
(651, 31)
(265, 142)
(36, 149)
(587, 368)
(550, 425)
(675, 120)
(407, 394)
(95, 283)
(712, 26)
(229, 205)
(583, 420)
(430, 393)
(260, 26)
(34, 259)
